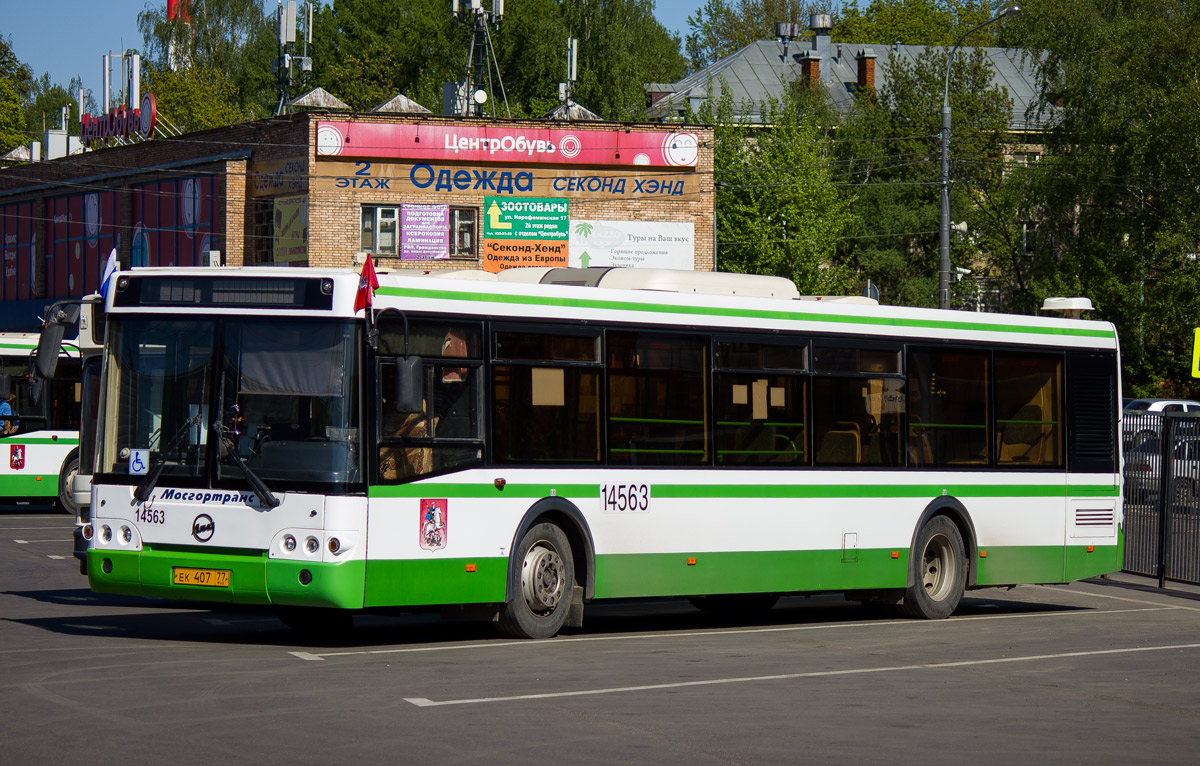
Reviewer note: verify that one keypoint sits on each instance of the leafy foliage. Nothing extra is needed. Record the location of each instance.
(890, 151)
(1116, 196)
(777, 210)
(194, 98)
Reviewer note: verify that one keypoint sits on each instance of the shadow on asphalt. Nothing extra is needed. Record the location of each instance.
(165, 620)
(1174, 590)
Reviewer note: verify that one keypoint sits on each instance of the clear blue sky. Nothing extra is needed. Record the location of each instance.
(68, 37)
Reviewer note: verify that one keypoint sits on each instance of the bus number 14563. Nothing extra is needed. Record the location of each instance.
(625, 498)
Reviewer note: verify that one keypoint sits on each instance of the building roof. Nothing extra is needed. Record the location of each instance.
(571, 112)
(759, 71)
(401, 104)
(321, 99)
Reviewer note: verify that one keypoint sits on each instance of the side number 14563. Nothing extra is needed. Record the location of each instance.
(624, 498)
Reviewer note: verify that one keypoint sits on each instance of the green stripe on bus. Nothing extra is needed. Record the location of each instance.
(20, 439)
(256, 579)
(29, 485)
(658, 308)
(723, 491)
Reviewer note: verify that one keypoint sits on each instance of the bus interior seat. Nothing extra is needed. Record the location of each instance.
(1019, 441)
(840, 446)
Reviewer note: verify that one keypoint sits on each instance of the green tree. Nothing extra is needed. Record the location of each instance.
(15, 82)
(1115, 197)
(233, 37)
(367, 51)
(43, 107)
(721, 27)
(778, 211)
(915, 22)
(889, 151)
(193, 98)
(12, 118)
(621, 46)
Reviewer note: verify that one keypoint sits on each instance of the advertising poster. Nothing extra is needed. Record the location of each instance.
(424, 232)
(524, 232)
(291, 229)
(633, 244)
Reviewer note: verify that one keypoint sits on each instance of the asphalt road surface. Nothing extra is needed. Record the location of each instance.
(1096, 672)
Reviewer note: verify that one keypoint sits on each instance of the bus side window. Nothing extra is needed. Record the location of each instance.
(546, 394)
(1028, 410)
(657, 399)
(947, 406)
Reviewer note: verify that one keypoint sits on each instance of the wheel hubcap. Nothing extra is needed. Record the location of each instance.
(543, 578)
(940, 568)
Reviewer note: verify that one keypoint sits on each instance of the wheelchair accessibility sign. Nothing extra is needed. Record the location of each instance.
(139, 462)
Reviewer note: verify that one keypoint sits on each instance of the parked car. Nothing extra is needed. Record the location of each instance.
(1142, 474)
(1141, 419)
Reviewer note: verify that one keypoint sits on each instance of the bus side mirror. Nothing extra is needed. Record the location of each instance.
(410, 385)
(48, 348)
(5, 386)
(36, 386)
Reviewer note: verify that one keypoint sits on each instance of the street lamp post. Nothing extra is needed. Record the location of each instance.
(944, 249)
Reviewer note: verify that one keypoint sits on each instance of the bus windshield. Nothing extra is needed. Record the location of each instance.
(198, 394)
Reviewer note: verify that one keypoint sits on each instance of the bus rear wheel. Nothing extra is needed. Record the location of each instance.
(939, 573)
(539, 607)
(66, 486)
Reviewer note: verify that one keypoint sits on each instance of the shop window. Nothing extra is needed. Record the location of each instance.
(462, 232)
(380, 229)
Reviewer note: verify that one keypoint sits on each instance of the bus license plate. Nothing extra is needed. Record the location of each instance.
(209, 578)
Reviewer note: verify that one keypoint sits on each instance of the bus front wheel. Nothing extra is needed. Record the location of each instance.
(539, 607)
(939, 573)
(66, 486)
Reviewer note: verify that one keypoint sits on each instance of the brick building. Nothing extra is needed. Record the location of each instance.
(323, 189)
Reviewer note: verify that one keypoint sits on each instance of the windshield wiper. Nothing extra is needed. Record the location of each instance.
(152, 476)
(264, 495)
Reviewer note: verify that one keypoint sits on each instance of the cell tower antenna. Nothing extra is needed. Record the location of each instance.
(282, 66)
(481, 58)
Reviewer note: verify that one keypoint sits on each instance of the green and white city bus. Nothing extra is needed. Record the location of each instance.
(516, 446)
(39, 451)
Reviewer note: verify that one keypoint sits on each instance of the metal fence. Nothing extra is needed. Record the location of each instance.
(1162, 495)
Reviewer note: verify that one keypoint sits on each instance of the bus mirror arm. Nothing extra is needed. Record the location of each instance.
(265, 497)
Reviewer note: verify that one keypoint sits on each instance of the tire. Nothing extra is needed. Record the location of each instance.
(542, 599)
(939, 572)
(320, 622)
(65, 501)
(735, 605)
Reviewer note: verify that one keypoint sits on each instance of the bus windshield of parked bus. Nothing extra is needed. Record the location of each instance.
(207, 397)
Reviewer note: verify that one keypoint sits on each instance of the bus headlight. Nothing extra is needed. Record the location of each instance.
(106, 533)
(289, 543)
(88, 532)
(126, 535)
(335, 545)
(311, 545)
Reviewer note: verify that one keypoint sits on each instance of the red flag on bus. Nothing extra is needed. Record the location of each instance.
(367, 284)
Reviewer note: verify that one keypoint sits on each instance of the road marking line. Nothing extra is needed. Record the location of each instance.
(704, 634)
(50, 556)
(426, 702)
(27, 542)
(1132, 600)
(22, 529)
